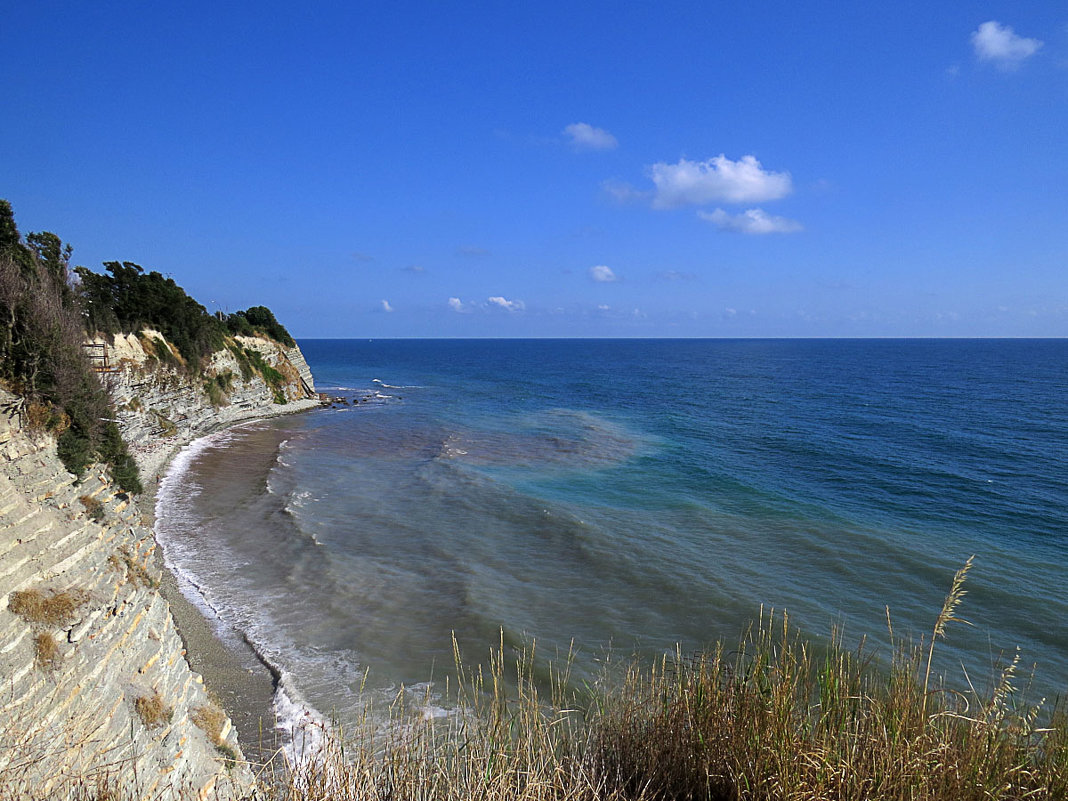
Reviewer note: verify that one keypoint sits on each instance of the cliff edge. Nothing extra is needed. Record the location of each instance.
(160, 407)
(95, 690)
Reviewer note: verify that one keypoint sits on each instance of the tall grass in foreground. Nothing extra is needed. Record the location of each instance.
(773, 717)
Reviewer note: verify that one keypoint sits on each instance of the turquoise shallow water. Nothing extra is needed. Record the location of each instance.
(632, 495)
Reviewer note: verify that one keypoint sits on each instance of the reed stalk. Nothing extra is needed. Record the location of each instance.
(774, 716)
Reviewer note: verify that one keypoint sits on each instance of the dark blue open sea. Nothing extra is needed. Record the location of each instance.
(632, 494)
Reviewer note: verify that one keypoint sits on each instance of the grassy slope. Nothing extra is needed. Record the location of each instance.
(772, 718)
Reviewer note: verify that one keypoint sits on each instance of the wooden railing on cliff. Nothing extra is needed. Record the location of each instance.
(99, 357)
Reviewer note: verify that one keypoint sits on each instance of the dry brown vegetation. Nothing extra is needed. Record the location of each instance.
(39, 417)
(47, 608)
(211, 719)
(772, 717)
(93, 507)
(152, 710)
(135, 571)
(769, 718)
(45, 651)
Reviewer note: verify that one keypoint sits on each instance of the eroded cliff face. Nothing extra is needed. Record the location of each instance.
(94, 685)
(160, 408)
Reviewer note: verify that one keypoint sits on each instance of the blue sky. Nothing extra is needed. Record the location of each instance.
(558, 169)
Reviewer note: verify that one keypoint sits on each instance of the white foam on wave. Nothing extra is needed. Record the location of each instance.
(384, 385)
(173, 517)
(422, 697)
(171, 499)
(299, 500)
(304, 727)
(451, 447)
(306, 730)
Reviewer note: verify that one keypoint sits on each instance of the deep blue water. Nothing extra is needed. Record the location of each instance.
(635, 494)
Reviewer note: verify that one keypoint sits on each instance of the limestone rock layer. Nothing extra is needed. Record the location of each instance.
(95, 690)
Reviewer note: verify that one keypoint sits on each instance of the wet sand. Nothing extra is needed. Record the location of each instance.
(232, 672)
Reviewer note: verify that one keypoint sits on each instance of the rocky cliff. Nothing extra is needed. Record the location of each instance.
(94, 685)
(160, 407)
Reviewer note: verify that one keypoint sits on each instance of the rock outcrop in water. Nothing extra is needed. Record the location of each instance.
(94, 685)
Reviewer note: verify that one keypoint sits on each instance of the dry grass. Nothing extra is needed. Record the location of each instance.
(769, 718)
(93, 507)
(36, 416)
(40, 417)
(49, 609)
(772, 717)
(211, 719)
(152, 710)
(135, 571)
(42, 760)
(45, 651)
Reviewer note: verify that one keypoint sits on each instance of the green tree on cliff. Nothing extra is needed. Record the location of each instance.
(127, 299)
(42, 355)
(262, 319)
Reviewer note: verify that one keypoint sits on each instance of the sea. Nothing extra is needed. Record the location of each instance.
(631, 498)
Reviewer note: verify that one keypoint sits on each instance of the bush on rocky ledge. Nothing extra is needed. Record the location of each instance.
(42, 356)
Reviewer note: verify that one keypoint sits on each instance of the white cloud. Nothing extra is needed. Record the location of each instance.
(603, 274)
(622, 192)
(509, 305)
(457, 305)
(675, 275)
(585, 137)
(717, 179)
(1000, 44)
(604, 307)
(753, 221)
(386, 307)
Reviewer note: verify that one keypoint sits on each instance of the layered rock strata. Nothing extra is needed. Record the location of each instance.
(159, 409)
(95, 690)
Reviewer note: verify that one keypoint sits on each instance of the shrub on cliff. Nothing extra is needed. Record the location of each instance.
(51, 608)
(259, 319)
(127, 300)
(46, 651)
(42, 355)
(113, 450)
(152, 710)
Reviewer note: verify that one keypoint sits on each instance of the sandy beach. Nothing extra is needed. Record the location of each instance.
(241, 683)
(232, 672)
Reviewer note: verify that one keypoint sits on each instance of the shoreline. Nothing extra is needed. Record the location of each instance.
(233, 673)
